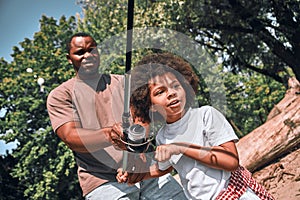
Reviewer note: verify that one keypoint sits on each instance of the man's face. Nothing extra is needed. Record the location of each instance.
(84, 56)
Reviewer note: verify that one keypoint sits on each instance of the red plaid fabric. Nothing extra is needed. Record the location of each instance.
(240, 180)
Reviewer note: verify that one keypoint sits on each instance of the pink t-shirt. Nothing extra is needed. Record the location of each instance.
(96, 104)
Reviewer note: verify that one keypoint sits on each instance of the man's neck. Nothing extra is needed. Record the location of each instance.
(86, 77)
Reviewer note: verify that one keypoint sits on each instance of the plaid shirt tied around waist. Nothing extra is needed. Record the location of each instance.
(240, 180)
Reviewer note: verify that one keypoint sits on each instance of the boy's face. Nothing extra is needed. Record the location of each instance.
(84, 55)
(168, 97)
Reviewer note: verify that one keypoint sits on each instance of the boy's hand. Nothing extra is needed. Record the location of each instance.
(122, 176)
(129, 178)
(137, 167)
(164, 152)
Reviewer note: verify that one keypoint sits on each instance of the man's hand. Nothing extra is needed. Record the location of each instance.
(116, 136)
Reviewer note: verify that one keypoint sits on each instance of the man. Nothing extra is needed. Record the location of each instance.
(85, 113)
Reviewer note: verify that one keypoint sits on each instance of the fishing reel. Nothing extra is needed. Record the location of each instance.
(135, 139)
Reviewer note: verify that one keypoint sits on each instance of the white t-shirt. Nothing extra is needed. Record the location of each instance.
(204, 126)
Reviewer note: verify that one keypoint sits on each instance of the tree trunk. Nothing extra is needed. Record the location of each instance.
(278, 136)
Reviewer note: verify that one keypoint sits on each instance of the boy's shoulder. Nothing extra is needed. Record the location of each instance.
(204, 108)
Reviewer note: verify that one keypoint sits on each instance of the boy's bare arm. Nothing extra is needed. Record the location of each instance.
(223, 157)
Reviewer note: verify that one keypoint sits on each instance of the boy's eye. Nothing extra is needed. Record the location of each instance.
(176, 86)
(158, 92)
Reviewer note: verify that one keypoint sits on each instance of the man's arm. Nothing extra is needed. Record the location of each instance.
(84, 140)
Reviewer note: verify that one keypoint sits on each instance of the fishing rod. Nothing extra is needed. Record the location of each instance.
(126, 113)
(134, 135)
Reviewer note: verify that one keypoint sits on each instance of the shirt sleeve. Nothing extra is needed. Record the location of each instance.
(217, 129)
(61, 108)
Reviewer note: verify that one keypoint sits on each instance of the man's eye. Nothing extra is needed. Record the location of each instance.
(93, 50)
(80, 52)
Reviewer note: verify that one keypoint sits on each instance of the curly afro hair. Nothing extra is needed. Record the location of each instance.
(158, 64)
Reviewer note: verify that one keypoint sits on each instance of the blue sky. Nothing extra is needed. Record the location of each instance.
(19, 19)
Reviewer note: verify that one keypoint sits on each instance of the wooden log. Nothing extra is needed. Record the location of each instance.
(277, 136)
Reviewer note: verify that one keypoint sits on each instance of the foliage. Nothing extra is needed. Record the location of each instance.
(250, 98)
(245, 98)
(105, 20)
(44, 164)
(257, 43)
(9, 189)
(258, 35)
(242, 53)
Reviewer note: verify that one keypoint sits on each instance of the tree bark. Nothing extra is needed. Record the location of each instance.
(279, 135)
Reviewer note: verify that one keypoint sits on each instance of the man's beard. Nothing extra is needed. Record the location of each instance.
(88, 70)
